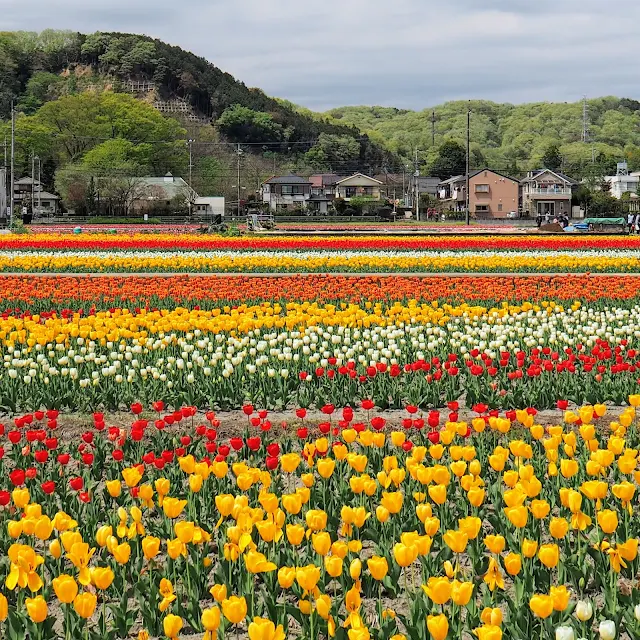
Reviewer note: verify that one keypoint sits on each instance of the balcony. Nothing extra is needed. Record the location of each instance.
(550, 191)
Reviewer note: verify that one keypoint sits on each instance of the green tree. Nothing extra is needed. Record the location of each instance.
(552, 158)
(242, 124)
(334, 153)
(42, 86)
(450, 161)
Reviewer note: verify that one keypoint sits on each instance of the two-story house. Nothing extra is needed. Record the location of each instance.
(358, 185)
(547, 193)
(286, 192)
(453, 193)
(493, 194)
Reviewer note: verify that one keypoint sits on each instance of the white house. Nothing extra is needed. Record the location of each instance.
(209, 206)
(358, 185)
(623, 181)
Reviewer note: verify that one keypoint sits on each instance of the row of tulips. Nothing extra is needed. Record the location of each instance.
(502, 527)
(311, 243)
(308, 354)
(373, 261)
(86, 294)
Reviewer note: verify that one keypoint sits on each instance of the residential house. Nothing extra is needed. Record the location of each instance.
(323, 191)
(157, 193)
(286, 192)
(209, 206)
(4, 206)
(358, 185)
(546, 193)
(493, 194)
(452, 193)
(27, 189)
(623, 182)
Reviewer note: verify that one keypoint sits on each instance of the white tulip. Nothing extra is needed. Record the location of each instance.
(583, 611)
(565, 633)
(636, 611)
(607, 630)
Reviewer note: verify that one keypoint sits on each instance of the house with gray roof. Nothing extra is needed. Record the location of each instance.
(284, 193)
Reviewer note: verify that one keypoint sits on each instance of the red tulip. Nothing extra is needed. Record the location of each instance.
(562, 405)
(211, 447)
(117, 455)
(480, 408)
(137, 434)
(159, 424)
(254, 443)
(31, 473)
(434, 437)
(136, 408)
(255, 421)
(272, 463)
(39, 415)
(85, 497)
(328, 409)
(17, 477)
(64, 458)
(247, 409)
(223, 451)
(169, 419)
(14, 436)
(347, 414)
(180, 451)
(236, 443)
(52, 423)
(159, 463)
(263, 413)
(149, 457)
(407, 423)
(359, 427)
(185, 440)
(273, 449)
(378, 422)
(167, 456)
(158, 406)
(407, 445)
(324, 427)
(5, 498)
(76, 483)
(52, 414)
(48, 487)
(411, 409)
(87, 436)
(98, 417)
(303, 433)
(367, 405)
(265, 426)
(41, 456)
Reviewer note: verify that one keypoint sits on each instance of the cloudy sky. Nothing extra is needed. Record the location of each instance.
(404, 53)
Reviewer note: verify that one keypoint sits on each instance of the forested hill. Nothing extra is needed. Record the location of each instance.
(509, 137)
(39, 67)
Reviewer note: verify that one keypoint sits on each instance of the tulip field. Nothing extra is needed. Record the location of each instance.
(317, 437)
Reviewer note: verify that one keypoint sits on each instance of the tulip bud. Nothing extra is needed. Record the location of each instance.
(583, 611)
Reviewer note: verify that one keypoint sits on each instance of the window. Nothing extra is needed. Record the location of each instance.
(500, 206)
(292, 189)
(368, 191)
(482, 207)
(482, 188)
(350, 192)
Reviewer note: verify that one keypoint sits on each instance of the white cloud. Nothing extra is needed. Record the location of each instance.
(407, 53)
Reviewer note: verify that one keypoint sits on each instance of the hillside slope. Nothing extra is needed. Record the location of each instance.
(508, 135)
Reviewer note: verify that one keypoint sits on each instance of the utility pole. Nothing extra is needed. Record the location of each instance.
(39, 184)
(467, 214)
(33, 181)
(13, 155)
(415, 177)
(433, 128)
(238, 154)
(190, 175)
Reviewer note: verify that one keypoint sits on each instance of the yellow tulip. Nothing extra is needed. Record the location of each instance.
(295, 534)
(541, 605)
(517, 516)
(404, 554)
(262, 629)
(150, 547)
(529, 548)
(4, 607)
(438, 590)
(172, 626)
(85, 604)
(286, 577)
(461, 592)
(326, 467)
(173, 507)
(513, 564)
(456, 540)
(66, 588)
(608, 521)
(378, 567)
(308, 576)
(234, 609)
(122, 553)
(210, 619)
(392, 501)
(114, 487)
(560, 596)
(321, 543)
(495, 544)
(355, 569)
(333, 566)
(558, 528)
(132, 476)
(102, 577)
(37, 609)
(471, 526)
(549, 555)
(438, 626)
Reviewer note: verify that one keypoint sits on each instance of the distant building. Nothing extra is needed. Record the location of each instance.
(209, 206)
(27, 189)
(547, 193)
(3, 194)
(452, 193)
(159, 192)
(358, 185)
(623, 182)
(286, 192)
